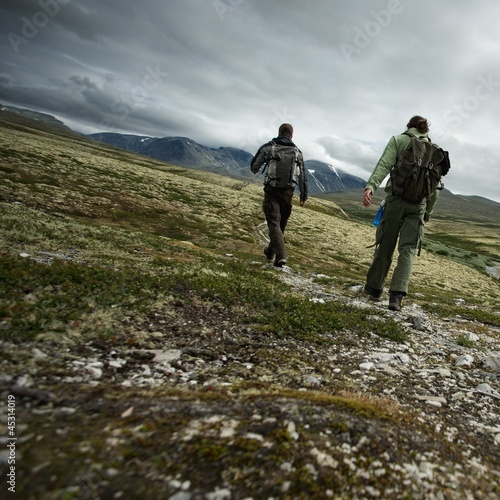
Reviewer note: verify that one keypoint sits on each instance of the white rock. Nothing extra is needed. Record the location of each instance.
(219, 494)
(372, 491)
(443, 372)
(388, 369)
(166, 356)
(311, 381)
(486, 388)
(292, 430)
(367, 366)
(24, 381)
(323, 459)
(181, 495)
(254, 436)
(471, 337)
(117, 363)
(492, 362)
(431, 399)
(419, 322)
(464, 360)
(37, 354)
(317, 300)
(397, 358)
(93, 371)
(127, 412)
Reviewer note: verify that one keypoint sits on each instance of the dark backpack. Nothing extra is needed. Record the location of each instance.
(282, 166)
(419, 169)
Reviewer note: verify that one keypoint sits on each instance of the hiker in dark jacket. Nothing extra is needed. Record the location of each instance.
(280, 153)
(401, 218)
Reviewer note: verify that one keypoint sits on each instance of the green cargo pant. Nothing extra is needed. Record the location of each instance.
(277, 208)
(404, 220)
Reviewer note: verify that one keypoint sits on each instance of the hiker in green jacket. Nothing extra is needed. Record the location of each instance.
(401, 218)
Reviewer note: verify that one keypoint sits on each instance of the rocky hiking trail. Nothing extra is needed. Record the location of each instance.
(204, 408)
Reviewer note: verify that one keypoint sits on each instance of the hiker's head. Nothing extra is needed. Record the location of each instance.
(286, 129)
(420, 123)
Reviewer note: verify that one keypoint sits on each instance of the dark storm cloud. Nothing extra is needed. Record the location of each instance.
(348, 75)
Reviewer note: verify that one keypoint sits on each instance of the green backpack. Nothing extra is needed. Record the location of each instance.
(419, 169)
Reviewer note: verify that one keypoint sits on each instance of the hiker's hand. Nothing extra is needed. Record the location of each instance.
(367, 198)
(303, 202)
(426, 217)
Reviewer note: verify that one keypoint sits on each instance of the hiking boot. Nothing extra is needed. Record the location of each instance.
(269, 253)
(374, 294)
(279, 262)
(395, 301)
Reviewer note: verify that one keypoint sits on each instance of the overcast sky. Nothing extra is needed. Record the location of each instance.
(347, 74)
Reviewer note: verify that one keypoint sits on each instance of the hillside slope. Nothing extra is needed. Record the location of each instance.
(146, 342)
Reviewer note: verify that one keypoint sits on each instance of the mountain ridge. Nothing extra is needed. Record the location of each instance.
(234, 162)
(38, 120)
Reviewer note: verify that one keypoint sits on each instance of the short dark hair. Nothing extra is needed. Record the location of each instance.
(285, 129)
(420, 123)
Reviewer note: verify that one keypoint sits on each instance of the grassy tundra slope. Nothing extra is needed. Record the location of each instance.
(151, 352)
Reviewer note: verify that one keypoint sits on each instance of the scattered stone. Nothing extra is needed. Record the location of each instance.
(24, 381)
(386, 358)
(199, 359)
(431, 399)
(442, 372)
(37, 354)
(117, 363)
(94, 369)
(492, 362)
(367, 366)
(219, 494)
(469, 336)
(389, 370)
(311, 381)
(127, 412)
(487, 389)
(419, 322)
(464, 360)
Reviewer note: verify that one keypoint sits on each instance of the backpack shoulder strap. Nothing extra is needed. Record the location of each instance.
(411, 136)
(273, 154)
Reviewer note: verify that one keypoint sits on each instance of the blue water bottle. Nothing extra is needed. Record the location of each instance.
(378, 215)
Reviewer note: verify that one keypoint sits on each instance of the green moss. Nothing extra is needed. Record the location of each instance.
(319, 322)
(37, 298)
(469, 313)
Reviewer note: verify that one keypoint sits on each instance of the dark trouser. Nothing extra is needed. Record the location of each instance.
(277, 208)
(404, 220)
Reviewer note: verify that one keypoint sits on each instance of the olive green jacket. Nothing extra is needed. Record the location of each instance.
(396, 145)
